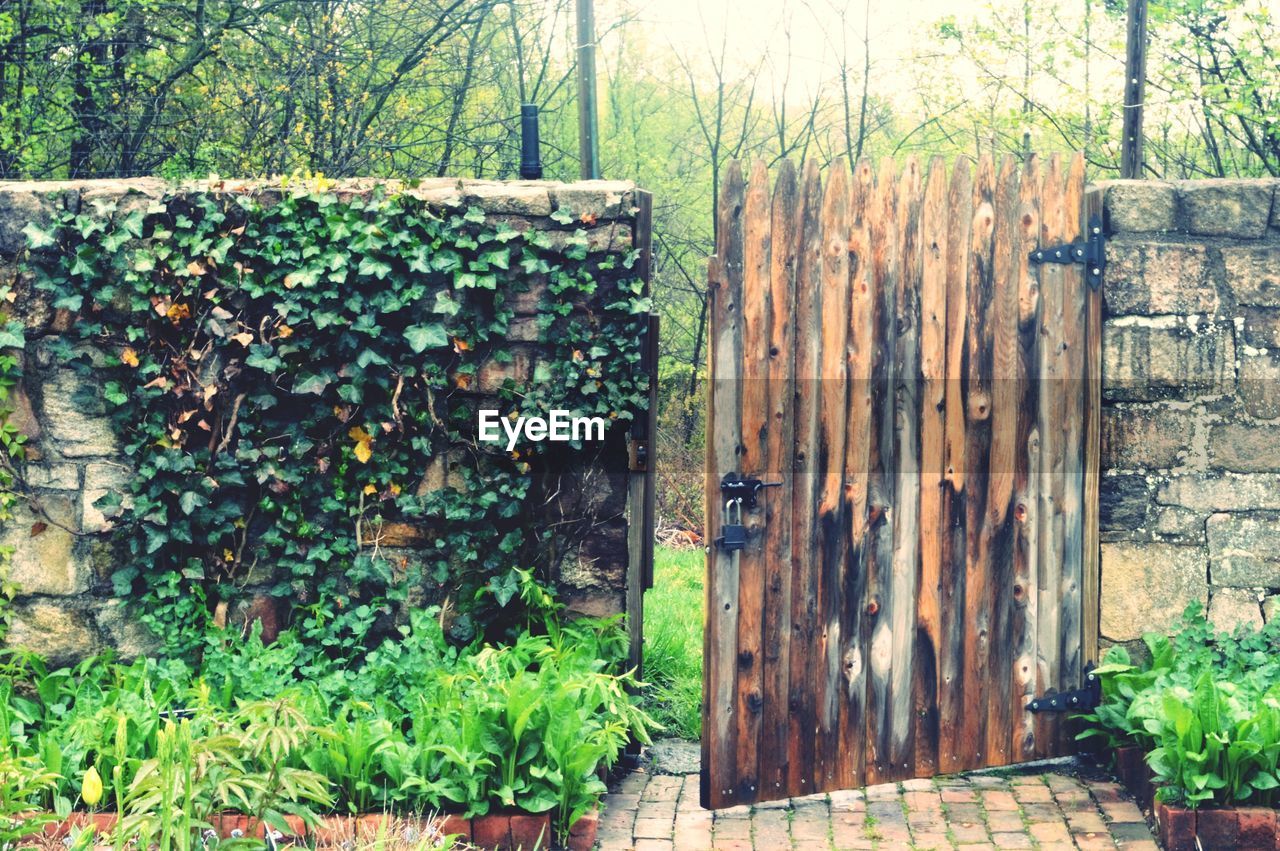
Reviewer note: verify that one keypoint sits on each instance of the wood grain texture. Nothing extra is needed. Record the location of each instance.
(785, 251)
(801, 699)
(977, 538)
(1091, 578)
(905, 390)
(861, 351)
(829, 538)
(880, 345)
(933, 407)
(951, 653)
(753, 461)
(1053, 281)
(724, 437)
(1026, 480)
(878, 629)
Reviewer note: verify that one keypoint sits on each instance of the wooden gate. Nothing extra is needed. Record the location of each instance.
(927, 401)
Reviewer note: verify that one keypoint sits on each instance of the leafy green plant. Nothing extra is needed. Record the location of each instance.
(282, 372)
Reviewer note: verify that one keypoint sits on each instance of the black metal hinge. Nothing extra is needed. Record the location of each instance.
(1079, 700)
(1089, 252)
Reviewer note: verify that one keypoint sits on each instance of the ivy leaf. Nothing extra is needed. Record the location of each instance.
(11, 336)
(364, 443)
(190, 501)
(311, 383)
(423, 337)
(38, 237)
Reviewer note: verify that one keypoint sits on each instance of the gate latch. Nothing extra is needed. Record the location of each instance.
(745, 490)
(1079, 700)
(1089, 252)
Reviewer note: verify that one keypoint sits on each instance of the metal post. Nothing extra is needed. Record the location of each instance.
(530, 153)
(1135, 78)
(588, 148)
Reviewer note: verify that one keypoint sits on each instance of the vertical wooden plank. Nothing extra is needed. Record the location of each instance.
(829, 542)
(1090, 576)
(753, 462)
(862, 348)
(784, 254)
(977, 444)
(1075, 298)
(998, 559)
(1022, 594)
(806, 474)
(877, 628)
(906, 532)
(951, 653)
(1053, 281)
(724, 437)
(933, 407)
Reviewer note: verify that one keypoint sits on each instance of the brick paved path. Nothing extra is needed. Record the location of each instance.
(1052, 812)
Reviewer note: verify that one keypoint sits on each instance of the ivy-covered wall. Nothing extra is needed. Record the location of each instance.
(258, 403)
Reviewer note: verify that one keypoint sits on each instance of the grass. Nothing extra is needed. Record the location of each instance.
(673, 621)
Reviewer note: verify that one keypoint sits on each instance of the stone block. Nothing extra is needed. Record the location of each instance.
(1260, 327)
(1139, 206)
(591, 199)
(74, 417)
(1166, 357)
(1221, 492)
(494, 196)
(20, 204)
(1226, 206)
(1230, 608)
(122, 630)
(1158, 278)
(62, 635)
(53, 476)
(1244, 550)
(1244, 447)
(1145, 586)
(44, 559)
(1145, 437)
(1123, 501)
(1174, 522)
(1260, 383)
(1253, 273)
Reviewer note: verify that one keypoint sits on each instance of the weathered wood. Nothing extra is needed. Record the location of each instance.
(785, 252)
(829, 542)
(930, 404)
(1053, 283)
(976, 541)
(933, 406)
(1022, 593)
(878, 628)
(753, 461)
(999, 558)
(1135, 81)
(906, 422)
(951, 653)
(1075, 296)
(806, 476)
(719, 764)
(1090, 576)
(861, 353)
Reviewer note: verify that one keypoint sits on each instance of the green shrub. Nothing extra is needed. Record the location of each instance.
(420, 726)
(1206, 708)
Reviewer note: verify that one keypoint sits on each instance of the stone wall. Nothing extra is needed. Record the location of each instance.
(62, 554)
(1191, 404)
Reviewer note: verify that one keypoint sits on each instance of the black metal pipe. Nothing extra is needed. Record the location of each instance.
(530, 153)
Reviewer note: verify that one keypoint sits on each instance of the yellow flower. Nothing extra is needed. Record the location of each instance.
(91, 787)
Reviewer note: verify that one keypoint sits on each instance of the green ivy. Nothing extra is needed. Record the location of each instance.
(282, 368)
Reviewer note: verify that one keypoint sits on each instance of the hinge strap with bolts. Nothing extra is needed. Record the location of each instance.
(1079, 700)
(1089, 252)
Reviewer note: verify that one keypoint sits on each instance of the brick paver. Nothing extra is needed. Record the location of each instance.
(1044, 812)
